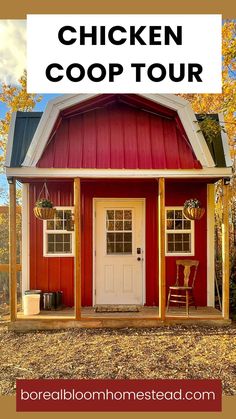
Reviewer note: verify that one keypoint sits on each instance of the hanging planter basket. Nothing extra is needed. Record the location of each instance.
(193, 209)
(43, 209)
(44, 213)
(194, 213)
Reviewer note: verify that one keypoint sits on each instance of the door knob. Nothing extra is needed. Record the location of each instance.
(138, 259)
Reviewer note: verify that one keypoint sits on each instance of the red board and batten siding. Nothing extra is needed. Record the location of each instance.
(49, 273)
(118, 136)
(176, 195)
(57, 273)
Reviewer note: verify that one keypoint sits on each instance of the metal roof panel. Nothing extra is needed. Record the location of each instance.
(25, 127)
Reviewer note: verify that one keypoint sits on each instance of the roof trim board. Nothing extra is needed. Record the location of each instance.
(225, 142)
(10, 139)
(180, 105)
(36, 172)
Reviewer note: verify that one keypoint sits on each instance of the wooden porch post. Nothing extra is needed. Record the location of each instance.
(77, 225)
(12, 251)
(161, 248)
(225, 253)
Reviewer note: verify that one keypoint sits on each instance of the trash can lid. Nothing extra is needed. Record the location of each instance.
(33, 291)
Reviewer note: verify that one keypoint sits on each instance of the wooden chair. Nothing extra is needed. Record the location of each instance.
(182, 291)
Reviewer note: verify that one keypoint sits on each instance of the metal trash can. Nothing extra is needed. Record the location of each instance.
(58, 299)
(29, 292)
(31, 304)
(49, 301)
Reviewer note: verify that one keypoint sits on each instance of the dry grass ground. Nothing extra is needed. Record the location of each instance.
(166, 352)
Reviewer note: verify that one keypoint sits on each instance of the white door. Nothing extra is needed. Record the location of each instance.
(119, 255)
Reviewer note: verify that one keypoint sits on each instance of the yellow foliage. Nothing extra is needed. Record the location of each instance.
(225, 102)
(16, 98)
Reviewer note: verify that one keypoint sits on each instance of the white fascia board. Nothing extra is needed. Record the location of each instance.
(195, 136)
(36, 172)
(170, 101)
(47, 122)
(225, 141)
(10, 140)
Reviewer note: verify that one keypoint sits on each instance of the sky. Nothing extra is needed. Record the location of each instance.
(12, 49)
(12, 65)
(12, 52)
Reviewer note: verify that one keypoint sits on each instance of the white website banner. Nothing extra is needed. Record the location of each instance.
(124, 53)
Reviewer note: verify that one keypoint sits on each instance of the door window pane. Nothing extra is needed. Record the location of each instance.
(119, 248)
(127, 214)
(128, 225)
(110, 238)
(119, 241)
(110, 215)
(110, 248)
(127, 247)
(119, 225)
(110, 225)
(119, 215)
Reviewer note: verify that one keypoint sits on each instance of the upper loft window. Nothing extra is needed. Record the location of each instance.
(59, 234)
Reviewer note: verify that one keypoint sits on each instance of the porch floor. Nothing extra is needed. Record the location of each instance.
(144, 312)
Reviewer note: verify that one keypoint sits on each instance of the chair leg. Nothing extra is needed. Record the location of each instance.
(187, 303)
(194, 301)
(179, 298)
(168, 301)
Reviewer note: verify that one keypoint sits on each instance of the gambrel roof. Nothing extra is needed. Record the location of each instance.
(31, 132)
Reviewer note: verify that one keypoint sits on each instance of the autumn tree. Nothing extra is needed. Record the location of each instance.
(16, 98)
(225, 104)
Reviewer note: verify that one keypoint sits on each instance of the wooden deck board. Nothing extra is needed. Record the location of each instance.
(146, 317)
(145, 312)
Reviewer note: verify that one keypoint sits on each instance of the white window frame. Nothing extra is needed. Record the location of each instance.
(46, 232)
(191, 231)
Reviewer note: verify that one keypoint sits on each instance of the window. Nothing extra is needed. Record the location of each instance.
(59, 234)
(119, 231)
(179, 233)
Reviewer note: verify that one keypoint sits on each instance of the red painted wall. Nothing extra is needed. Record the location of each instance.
(51, 274)
(119, 136)
(176, 194)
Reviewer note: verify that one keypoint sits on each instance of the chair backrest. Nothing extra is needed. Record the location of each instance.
(187, 265)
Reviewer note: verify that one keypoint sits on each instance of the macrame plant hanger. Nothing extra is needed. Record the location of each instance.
(47, 195)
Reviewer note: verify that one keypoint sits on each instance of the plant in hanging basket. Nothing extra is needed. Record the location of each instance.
(193, 209)
(44, 209)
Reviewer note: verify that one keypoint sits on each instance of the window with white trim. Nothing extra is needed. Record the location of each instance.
(58, 234)
(179, 233)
